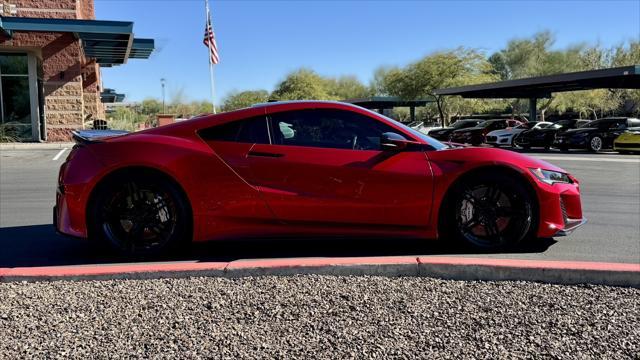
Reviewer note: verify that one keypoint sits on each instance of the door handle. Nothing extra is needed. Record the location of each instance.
(265, 154)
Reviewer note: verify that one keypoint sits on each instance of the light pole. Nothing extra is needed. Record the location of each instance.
(162, 81)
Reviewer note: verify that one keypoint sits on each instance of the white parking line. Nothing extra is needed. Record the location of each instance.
(59, 154)
(591, 158)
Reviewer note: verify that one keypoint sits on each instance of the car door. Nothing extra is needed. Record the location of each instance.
(231, 142)
(326, 166)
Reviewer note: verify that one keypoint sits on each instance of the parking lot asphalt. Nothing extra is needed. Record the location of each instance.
(610, 186)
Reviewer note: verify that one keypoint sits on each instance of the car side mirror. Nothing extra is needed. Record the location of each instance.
(391, 141)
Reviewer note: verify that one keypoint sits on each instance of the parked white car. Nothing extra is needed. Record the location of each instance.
(420, 126)
(504, 137)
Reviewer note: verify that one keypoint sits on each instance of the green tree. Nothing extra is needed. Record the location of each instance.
(303, 84)
(535, 56)
(151, 106)
(440, 70)
(239, 100)
(346, 87)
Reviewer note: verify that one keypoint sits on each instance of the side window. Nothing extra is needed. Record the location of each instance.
(252, 130)
(327, 128)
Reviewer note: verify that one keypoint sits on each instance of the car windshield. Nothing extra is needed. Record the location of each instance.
(437, 145)
(488, 123)
(563, 124)
(544, 125)
(461, 124)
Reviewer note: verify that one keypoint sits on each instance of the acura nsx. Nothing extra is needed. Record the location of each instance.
(304, 168)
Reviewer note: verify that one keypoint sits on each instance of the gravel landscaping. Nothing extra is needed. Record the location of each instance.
(307, 317)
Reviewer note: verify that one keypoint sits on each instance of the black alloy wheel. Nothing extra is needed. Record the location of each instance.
(140, 215)
(492, 212)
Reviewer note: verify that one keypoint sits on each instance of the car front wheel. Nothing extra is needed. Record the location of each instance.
(490, 212)
(139, 215)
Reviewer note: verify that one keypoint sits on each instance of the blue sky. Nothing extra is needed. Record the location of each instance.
(261, 41)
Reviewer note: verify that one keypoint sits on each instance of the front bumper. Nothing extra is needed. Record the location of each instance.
(571, 142)
(498, 140)
(626, 146)
(560, 209)
(468, 139)
(570, 226)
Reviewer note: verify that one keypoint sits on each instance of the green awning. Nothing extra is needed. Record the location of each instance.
(109, 42)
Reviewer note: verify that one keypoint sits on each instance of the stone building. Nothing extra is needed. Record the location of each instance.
(51, 52)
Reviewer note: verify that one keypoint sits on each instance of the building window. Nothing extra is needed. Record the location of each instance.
(15, 100)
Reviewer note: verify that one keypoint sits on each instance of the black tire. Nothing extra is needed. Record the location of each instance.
(140, 215)
(564, 149)
(489, 212)
(595, 144)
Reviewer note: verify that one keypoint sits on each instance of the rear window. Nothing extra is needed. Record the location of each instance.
(252, 130)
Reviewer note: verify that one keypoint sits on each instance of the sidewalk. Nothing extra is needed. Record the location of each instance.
(35, 146)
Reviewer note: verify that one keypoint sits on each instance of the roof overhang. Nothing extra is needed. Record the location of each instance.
(109, 42)
(387, 102)
(111, 96)
(627, 77)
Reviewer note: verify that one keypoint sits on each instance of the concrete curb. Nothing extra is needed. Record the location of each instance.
(36, 146)
(450, 268)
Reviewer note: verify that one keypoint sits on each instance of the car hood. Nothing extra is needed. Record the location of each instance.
(481, 156)
(635, 135)
(440, 130)
(538, 131)
(471, 129)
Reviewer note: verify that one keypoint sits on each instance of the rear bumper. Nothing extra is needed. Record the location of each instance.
(68, 216)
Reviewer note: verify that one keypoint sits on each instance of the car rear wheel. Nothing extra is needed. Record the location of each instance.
(140, 215)
(490, 212)
(595, 144)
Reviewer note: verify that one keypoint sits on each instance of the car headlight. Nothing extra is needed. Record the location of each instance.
(551, 177)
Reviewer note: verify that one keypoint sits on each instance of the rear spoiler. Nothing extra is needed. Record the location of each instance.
(93, 136)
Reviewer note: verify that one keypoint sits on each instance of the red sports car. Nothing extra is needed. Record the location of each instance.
(304, 168)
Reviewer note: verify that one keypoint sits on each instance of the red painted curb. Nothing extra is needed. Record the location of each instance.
(532, 264)
(316, 262)
(107, 269)
(569, 272)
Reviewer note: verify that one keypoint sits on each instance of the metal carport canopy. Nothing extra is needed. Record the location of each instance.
(627, 77)
(109, 42)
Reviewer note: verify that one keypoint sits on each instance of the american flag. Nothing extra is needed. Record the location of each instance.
(210, 42)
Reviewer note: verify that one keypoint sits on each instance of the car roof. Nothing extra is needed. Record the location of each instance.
(257, 110)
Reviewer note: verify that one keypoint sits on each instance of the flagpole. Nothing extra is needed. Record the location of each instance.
(211, 65)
